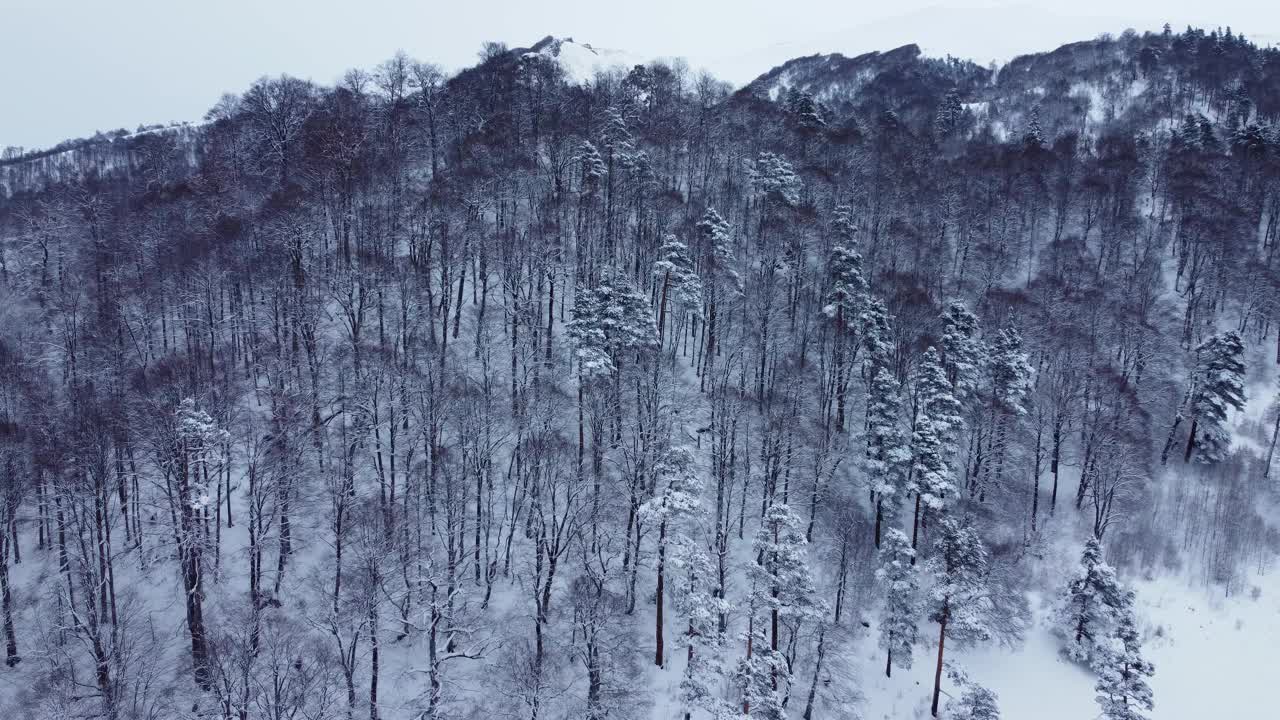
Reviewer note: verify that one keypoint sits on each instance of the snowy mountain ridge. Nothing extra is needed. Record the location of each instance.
(104, 154)
(582, 61)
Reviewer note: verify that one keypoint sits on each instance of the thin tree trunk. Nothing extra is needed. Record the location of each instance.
(937, 674)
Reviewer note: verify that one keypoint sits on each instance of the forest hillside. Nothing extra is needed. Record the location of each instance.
(883, 386)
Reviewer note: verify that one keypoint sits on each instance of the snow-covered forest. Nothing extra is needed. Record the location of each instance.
(884, 387)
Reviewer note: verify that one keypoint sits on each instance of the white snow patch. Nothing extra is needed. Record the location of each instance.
(1097, 112)
(1212, 653)
(581, 61)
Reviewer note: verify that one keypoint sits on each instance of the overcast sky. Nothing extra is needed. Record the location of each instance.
(70, 67)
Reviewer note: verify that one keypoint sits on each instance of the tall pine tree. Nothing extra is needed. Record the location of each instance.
(1218, 384)
(962, 351)
(899, 618)
(937, 427)
(1090, 607)
(888, 459)
(959, 600)
(1123, 692)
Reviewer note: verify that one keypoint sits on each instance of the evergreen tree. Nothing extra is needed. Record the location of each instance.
(675, 503)
(877, 337)
(937, 427)
(1009, 377)
(718, 278)
(591, 165)
(782, 590)
(901, 611)
(1123, 692)
(696, 604)
(781, 577)
(716, 248)
(680, 283)
(959, 600)
(947, 120)
(845, 301)
(757, 674)
(805, 110)
(888, 458)
(1089, 608)
(976, 703)
(615, 137)
(773, 178)
(1033, 138)
(848, 296)
(1218, 385)
(937, 398)
(200, 439)
(1010, 372)
(609, 319)
(675, 266)
(962, 352)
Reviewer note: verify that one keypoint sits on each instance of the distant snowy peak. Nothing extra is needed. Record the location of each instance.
(581, 61)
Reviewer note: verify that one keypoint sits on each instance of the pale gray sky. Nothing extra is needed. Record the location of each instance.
(70, 67)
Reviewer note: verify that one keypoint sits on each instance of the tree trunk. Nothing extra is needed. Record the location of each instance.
(817, 671)
(879, 519)
(915, 528)
(658, 596)
(1275, 435)
(937, 675)
(11, 657)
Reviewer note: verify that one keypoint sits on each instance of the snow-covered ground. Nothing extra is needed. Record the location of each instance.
(1212, 656)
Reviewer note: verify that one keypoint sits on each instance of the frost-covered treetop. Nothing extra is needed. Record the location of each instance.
(774, 179)
(608, 319)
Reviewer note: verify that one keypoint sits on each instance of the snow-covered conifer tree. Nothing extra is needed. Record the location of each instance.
(1010, 372)
(616, 138)
(698, 609)
(1009, 378)
(877, 336)
(804, 108)
(760, 673)
(848, 294)
(899, 618)
(782, 579)
(937, 397)
(675, 502)
(591, 165)
(962, 351)
(1123, 692)
(1090, 607)
(773, 178)
(975, 703)
(694, 601)
(888, 459)
(715, 248)
(716, 241)
(845, 301)
(933, 438)
(1218, 384)
(1033, 138)
(782, 591)
(959, 600)
(679, 282)
(608, 319)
